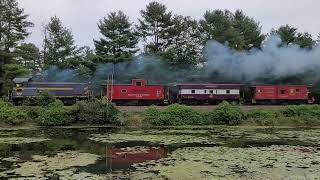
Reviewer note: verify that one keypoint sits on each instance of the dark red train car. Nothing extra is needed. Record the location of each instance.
(208, 93)
(295, 94)
(138, 92)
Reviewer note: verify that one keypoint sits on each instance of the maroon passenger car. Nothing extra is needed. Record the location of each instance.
(208, 93)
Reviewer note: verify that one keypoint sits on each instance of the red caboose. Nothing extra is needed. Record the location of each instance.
(294, 94)
(138, 92)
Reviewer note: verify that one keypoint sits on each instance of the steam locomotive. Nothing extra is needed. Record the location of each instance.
(139, 92)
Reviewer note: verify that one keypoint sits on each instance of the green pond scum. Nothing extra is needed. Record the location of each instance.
(199, 152)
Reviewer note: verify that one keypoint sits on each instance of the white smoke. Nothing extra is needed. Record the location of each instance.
(269, 61)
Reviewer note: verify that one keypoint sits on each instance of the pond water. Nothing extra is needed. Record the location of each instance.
(217, 152)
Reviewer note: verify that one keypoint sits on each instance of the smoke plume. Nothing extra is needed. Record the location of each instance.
(270, 64)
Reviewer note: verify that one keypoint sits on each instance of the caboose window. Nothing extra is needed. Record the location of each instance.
(193, 91)
(228, 91)
(123, 91)
(283, 91)
(138, 83)
(297, 90)
(259, 91)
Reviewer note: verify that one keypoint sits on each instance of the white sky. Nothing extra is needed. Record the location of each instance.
(81, 16)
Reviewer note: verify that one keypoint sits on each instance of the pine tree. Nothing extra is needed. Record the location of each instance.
(28, 54)
(59, 48)
(184, 44)
(290, 35)
(119, 41)
(237, 30)
(153, 27)
(13, 29)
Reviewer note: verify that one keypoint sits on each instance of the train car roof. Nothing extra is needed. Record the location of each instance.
(210, 85)
(57, 83)
(22, 80)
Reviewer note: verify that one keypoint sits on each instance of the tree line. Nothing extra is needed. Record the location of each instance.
(176, 39)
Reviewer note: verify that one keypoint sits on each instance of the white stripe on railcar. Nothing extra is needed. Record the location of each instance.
(210, 91)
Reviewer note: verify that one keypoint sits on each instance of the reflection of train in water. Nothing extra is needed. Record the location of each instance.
(122, 158)
(139, 92)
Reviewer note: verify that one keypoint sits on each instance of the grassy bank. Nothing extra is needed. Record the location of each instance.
(227, 114)
(100, 112)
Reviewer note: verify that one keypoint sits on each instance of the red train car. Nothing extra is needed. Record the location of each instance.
(208, 93)
(294, 94)
(138, 92)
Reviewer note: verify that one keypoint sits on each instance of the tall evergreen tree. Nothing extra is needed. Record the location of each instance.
(28, 54)
(304, 40)
(119, 41)
(153, 27)
(59, 48)
(184, 43)
(238, 30)
(249, 29)
(286, 33)
(14, 26)
(290, 35)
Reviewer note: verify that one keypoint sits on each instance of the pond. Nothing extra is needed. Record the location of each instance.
(215, 152)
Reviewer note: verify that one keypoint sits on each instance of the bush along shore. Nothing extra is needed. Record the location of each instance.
(101, 112)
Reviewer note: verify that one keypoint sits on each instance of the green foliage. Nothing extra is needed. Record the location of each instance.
(14, 24)
(10, 72)
(173, 115)
(119, 42)
(184, 42)
(154, 25)
(302, 111)
(59, 48)
(263, 113)
(96, 112)
(226, 113)
(289, 35)
(42, 98)
(28, 55)
(12, 115)
(240, 31)
(263, 117)
(13, 29)
(56, 114)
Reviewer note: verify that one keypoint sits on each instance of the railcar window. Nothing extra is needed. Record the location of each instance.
(211, 91)
(260, 91)
(283, 92)
(228, 91)
(193, 91)
(297, 90)
(123, 91)
(138, 84)
(205, 91)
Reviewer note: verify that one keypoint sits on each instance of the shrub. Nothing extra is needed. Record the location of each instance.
(57, 114)
(97, 112)
(151, 115)
(174, 114)
(41, 99)
(302, 110)
(226, 113)
(263, 113)
(12, 115)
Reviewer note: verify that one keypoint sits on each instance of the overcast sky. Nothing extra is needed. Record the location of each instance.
(81, 16)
